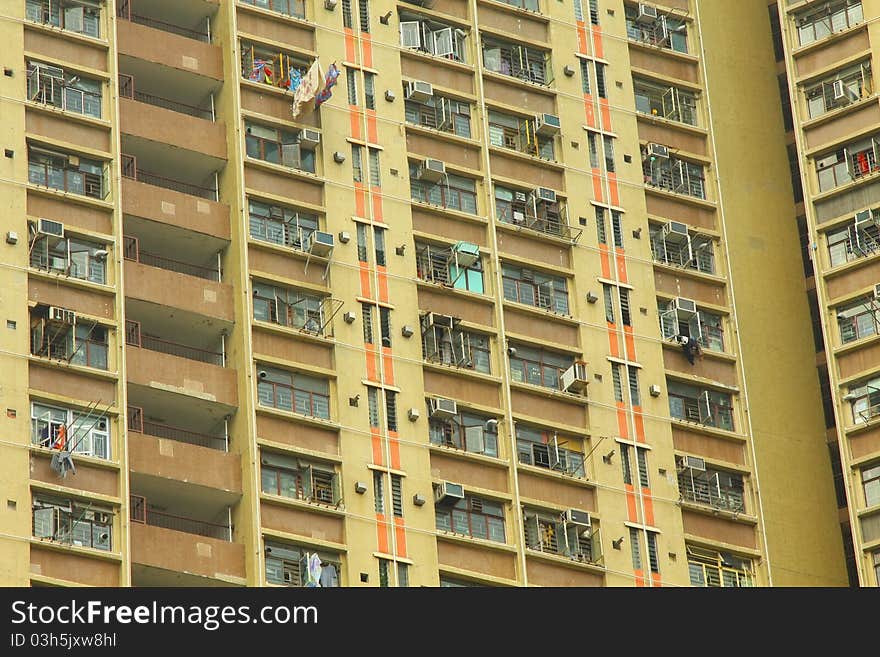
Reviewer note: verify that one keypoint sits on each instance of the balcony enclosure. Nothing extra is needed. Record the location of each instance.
(709, 567)
(516, 60)
(538, 367)
(710, 408)
(663, 30)
(280, 225)
(467, 431)
(856, 160)
(440, 113)
(711, 487)
(73, 522)
(439, 264)
(692, 251)
(293, 565)
(864, 399)
(85, 432)
(527, 209)
(544, 449)
(450, 191)
(68, 339)
(276, 68)
(519, 134)
(67, 172)
(704, 326)
(279, 146)
(52, 86)
(295, 8)
(535, 288)
(858, 319)
(431, 36)
(293, 391)
(192, 20)
(549, 532)
(674, 174)
(69, 256)
(846, 86)
(80, 16)
(297, 309)
(300, 479)
(857, 239)
(454, 346)
(825, 18)
(665, 101)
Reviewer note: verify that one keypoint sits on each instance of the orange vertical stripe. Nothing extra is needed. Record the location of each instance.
(372, 129)
(621, 265)
(588, 110)
(656, 578)
(630, 503)
(365, 280)
(603, 256)
(377, 447)
(388, 366)
(360, 200)
(606, 114)
(368, 49)
(400, 536)
(622, 426)
(394, 446)
(349, 45)
(597, 186)
(597, 39)
(613, 191)
(640, 578)
(376, 196)
(630, 343)
(649, 506)
(372, 373)
(613, 344)
(582, 38)
(355, 121)
(382, 531)
(382, 275)
(640, 424)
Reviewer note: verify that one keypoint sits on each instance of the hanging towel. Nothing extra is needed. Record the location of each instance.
(312, 84)
(329, 83)
(329, 576)
(313, 574)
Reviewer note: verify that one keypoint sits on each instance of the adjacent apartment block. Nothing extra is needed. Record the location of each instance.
(517, 301)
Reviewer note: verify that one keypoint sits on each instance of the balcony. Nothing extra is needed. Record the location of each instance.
(195, 295)
(131, 170)
(708, 409)
(188, 214)
(713, 488)
(68, 172)
(673, 174)
(144, 13)
(133, 252)
(139, 422)
(549, 533)
(515, 60)
(136, 338)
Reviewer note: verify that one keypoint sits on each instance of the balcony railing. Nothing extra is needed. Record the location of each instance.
(131, 251)
(141, 513)
(127, 90)
(699, 410)
(137, 423)
(287, 398)
(134, 338)
(709, 492)
(131, 170)
(124, 11)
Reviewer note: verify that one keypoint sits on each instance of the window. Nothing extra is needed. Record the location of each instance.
(826, 18)
(385, 325)
(633, 373)
(472, 516)
(362, 242)
(280, 225)
(452, 191)
(373, 407)
(693, 251)
(83, 524)
(300, 479)
(642, 461)
(608, 146)
(379, 245)
(81, 16)
(713, 487)
(705, 327)
(391, 410)
(653, 560)
(519, 134)
(385, 566)
(625, 462)
(269, 66)
(516, 60)
(871, 484)
(855, 240)
(674, 174)
(875, 556)
(351, 85)
(601, 90)
(375, 172)
(347, 14)
(709, 567)
(858, 319)
(367, 314)
(846, 86)
(593, 144)
(665, 101)
(296, 8)
(547, 531)
(538, 367)
(454, 346)
(397, 495)
(50, 85)
(856, 160)
(293, 565)
(357, 163)
(594, 11)
(665, 31)
(278, 146)
(585, 76)
(865, 400)
(440, 113)
(467, 431)
(370, 90)
(534, 288)
(531, 5)
(79, 342)
(379, 491)
(54, 427)
(71, 256)
(294, 391)
(438, 265)
(402, 574)
(544, 449)
(636, 548)
(66, 172)
(448, 582)
(608, 297)
(617, 382)
(601, 228)
(431, 36)
(364, 15)
(383, 572)
(693, 404)
(611, 293)
(529, 210)
(288, 307)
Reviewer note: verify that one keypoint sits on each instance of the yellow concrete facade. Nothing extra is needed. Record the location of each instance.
(430, 330)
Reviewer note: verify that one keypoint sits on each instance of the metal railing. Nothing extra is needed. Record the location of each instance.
(141, 513)
(138, 424)
(131, 170)
(703, 491)
(452, 198)
(288, 398)
(123, 10)
(295, 8)
(131, 251)
(698, 410)
(135, 338)
(127, 90)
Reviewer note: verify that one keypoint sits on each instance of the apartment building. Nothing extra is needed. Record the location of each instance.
(504, 309)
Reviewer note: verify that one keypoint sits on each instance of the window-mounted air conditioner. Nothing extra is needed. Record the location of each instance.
(520, 197)
(647, 14)
(432, 170)
(519, 217)
(309, 139)
(577, 517)
(574, 379)
(419, 91)
(694, 463)
(545, 194)
(658, 151)
(864, 219)
(442, 409)
(675, 232)
(443, 321)
(49, 227)
(684, 306)
(466, 253)
(448, 493)
(547, 124)
(319, 243)
(59, 314)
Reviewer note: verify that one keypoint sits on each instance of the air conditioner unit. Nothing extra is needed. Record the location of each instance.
(545, 194)
(576, 517)
(419, 91)
(647, 14)
(73, 160)
(442, 409)
(59, 314)
(693, 463)
(520, 197)
(547, 124)
(466, 254)
(658, 150)
(519, 217)
(574, 379)
(864, 219)
(309, 139)
(448, 493)
(675, 232)
(49, 227)
(443, 321)
(654, 390)
(319, 243)
(684, 306)
(432, 170)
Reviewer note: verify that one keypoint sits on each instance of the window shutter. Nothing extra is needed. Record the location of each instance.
(410, 34)
(443, 42)
(73, 18)
(44, 522)
(474, 439)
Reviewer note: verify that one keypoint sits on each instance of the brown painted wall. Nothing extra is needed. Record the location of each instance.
(541, 406)
(448, 226)
(171, 459)
(74, 567)
(524, 323)
(302, 522)
(654, 61)
(523, 99)
(169, 49)
(682, 286)
(707, 367)
(58, 381)
(840, 50)
(168, 288)
(175, 208)
(455, 154)
(79, 54)
(553, 255)
(462, 471)
(543, 573)
(289, 348)
(270, 182)
(294, 35)
(569, 493)
(718, 529)
(179, 130)
(417, 68)
(866, 443)
(861, 360)
(672, 208)
(458, 8)
(843, 126)
(456, 305)
(87, 477)
(709, 446)
(82, 301)
(297, 435)
(853, 281)
(265, 101)
(515, 24)
(58, 127)
(80, 216)
(525, 170)
(179, 551)
(482, 560)
(271, 262)
(461, 387)
(152, 368)
(677, 139)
